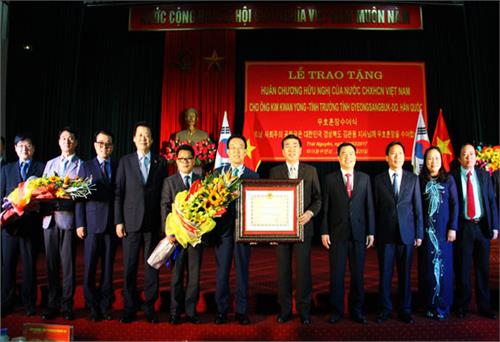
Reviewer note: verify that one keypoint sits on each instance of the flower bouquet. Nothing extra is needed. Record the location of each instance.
(488, 158)
(204, 150)
(193, 213)
(34, 190)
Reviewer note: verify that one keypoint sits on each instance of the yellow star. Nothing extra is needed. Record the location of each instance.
(250, 148)
(443, 146)
(214, 60)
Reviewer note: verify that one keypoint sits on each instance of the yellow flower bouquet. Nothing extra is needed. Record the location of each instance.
(193, 213)
(488, 158)
(36, 189)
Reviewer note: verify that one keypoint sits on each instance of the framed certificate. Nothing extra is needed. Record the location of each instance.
(268, 210)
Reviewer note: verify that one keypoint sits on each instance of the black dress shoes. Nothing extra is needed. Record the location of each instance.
(30, 311)
(195, 319)
(128, 318)
(106, 315)
(220, 318)
(335, 318)
(383, 316)
(306, 320)
(488, 314)
(174, 319)
(152, 317)
(49, 314)
(461, 313)
(406, 317)
(433, 314)
(68, 315)
(283, 318)
(359, 319)
(242, 318)
(95, 316)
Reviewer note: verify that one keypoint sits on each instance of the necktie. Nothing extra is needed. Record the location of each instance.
(471, 209)
(64, 167)
(24, 170)
(395, 185)
(235, 172)
(104, 169)
(348, 185)
(293, 172)
(187, 181)
(144, 169)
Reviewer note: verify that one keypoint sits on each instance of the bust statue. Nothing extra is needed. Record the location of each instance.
(191, 134)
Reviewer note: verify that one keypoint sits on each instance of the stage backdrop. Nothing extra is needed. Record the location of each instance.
(327, 103)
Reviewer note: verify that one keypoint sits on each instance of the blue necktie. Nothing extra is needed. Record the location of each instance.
(235, 172)
(395, 185)
(187, 181)
(24, 170)
(64, 167)
(144, 169)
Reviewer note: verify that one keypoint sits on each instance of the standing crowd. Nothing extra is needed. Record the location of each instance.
(447, 219)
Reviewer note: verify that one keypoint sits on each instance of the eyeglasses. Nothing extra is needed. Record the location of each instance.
(185, 159)
(25, 147)
(103, 144)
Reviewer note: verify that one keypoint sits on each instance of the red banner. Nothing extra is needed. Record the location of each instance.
(188, 16)
(326, 103)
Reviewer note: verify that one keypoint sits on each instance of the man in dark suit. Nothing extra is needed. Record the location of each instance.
(94, 221)
(2, 152)
(225, 245)
(59, 232)
(188, 259)
(399, 227)
(19, 237)
(292, 149)
(139, 180)
(478, 224)
(348, 228)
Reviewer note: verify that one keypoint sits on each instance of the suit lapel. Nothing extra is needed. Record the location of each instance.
(387, 183)
(97, 170)
(405, 184)
(300, 173)
(340, 183)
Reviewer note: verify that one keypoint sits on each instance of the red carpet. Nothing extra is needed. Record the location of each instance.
(263, 309)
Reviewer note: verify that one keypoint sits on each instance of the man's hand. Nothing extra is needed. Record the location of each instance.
(418, 242)
(325, 240)
(81, 232)
(370, 239)
(120, 230)
(452, 235)
(495, 234)
(171, 239)
(305, 217)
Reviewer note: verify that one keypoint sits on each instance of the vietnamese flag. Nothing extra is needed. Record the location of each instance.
(252, 159)
(442, 140)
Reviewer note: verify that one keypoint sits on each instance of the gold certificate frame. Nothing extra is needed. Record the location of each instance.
(268, 210)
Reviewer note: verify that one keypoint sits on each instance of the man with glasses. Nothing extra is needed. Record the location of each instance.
(225, 246)
(94, 222)
(19, 237)
(188, 259)
(59, 232)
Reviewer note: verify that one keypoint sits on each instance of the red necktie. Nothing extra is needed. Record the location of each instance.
(471, 209)
(348, 185)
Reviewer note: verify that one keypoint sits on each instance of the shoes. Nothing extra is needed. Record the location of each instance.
(195, 319)
(128, 317)
(174, 319)
(335, 318)
(49, 314)
(95, 316)
(461, 313)
(433, 314)
(406, 317)
(283, 318)
(383, 316)
(68, 315)
(242, 318)
(30, 311)
(359, 319)
(221, 318)
(151, 317)
(488, 314)
(306, 320)
(106, 315)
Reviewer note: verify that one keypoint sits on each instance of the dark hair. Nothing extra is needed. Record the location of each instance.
(141, 124)
(344, 144)
(463, 145)
(69, 130)
(22, 137)
(237, 136)
(391, 144)
(425, 174)
(185, 147)
(103, 131)
(290, 136)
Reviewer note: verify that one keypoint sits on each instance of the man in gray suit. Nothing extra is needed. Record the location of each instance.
(59, 232)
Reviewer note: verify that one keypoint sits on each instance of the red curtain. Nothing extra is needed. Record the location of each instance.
(195, 76)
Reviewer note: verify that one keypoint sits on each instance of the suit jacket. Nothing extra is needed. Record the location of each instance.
(403, 217)
(312, 191)
(171, 187)
(96, 212)
(10, 177)
(343, 215)
(137, 205)
(490, 210)
(64, 217)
